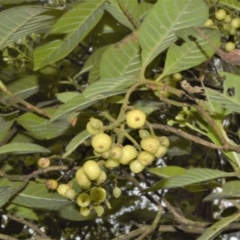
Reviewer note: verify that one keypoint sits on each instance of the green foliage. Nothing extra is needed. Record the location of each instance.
(72, 71)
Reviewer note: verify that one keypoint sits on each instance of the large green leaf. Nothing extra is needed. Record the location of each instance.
(228, 101)
(93, 59)
(41, 128)
(18, 22)
(190, 53)
(21, 212)
(121, 59)
(231, 3)
(166, 172)
(217, 227)
(143, 9)
(66, 96)
(158, 29)
(95, 92)
(191, 176)
(23, 88)
(71, 28)
(5, 194)
(75, 142)
(132, 9)
(113, 7)
(22, 148)
(5, 124)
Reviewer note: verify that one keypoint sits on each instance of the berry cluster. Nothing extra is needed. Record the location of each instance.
(92, 175)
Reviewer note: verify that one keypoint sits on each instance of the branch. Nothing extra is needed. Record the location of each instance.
(6, 237)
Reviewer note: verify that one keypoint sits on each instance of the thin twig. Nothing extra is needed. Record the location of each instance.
(6, 237)
(30, 225)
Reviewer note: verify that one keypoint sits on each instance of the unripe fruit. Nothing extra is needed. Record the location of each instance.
(92, 130)
(208, 23)
(98, 195)
(111, 163)
(136, 166)
(101, 142)
(135, 119)
(106, 154)
(161, 151)
(96, 123)
(99, 210)
(52, 184)
(70, 193)
(220, 14)
(102, 178)
(235, 23)
(117, 192)
(230, 46)
(144, 134)
(228, 18)
(129, 153)
(85, 211)
(49, 70)
(150, 144)
(44, 162)
(83, 200)
(82, 179)
(177, 76)
(62, 188)
(92, 169)
(145, 158)
(116, 152)
(164, 141)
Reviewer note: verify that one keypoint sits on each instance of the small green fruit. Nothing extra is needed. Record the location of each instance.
(136, 119)
(92, 169)
(83, 200)
(101, 142)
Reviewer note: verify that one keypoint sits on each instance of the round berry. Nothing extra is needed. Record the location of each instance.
(62, 188)
(92, 169)
(98, 195)
(164, 141)
(235, 23)
(70, 193)
(82, 179)
(230, 46)
(111, 163)
(145, 158)
(177, 76)
(220, 14)
(228, 18)
(161, 151)
(101, 142)
(92, 130)
(52, 184)
(85, 211)
(49, 70)
(136, 166)
(128, 154)
(96, 123)
(209, 23)
(136, 119)
(116, 152)
(150, 144)
(99, 210)
(144, 134)
(44, 162)
(102, 178)
(117, 192)
(83, 200)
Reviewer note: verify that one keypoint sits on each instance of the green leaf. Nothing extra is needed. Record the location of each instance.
(147, 106)
(226, 102)
(17, 1)
(21, 212)
(143, 9)
(217, 227)
(41, 128)
(230, 190)
(75, 142)
(159, 27)
(166, 172)
(5, 194)
(22, 88)
(72, 212)
(94, 74)
(231, 3)
(5, 124)
(95, 92)
(71, 28)
(121, 59)
(66, 96)
(194, 175)
(113, 7)
(190, 53)
(93, 59)
(19, 22)
(131, 8)
(22, 148)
